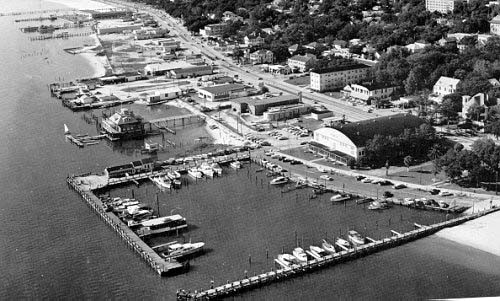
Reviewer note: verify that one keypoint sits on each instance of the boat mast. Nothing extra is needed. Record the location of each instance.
(157, 205)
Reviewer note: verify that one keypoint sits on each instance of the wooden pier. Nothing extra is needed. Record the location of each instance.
(157, 263)
(236, 287)
(177, 121)
(62, 35)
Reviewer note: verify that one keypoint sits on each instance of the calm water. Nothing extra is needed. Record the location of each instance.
(52, 246)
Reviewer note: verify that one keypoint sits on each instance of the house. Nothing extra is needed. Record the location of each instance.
(262, 57)
(495, 25)
(374, 91)
(312, 46)
(222, 92)
(302, 63)
(348, 141)
(476, 100)
(124, 124)
(268, 30)
(442, 6)
(230, 16)
(253, 40)
(338, 44)
(163, 95)
(445, 85)
(169, 44)
(417, 46)
(494, 82)
(338, 76)
(293, 49)
(119, 170)
(143, 165)
(213, 30)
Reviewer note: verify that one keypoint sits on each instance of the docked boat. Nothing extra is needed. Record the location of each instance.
(176, 183)
(235, 164)
(207, 170)
(342, 243)
(300, 254)
(339, 198)
(328, 247)
(216, 167)
(279, 180)
(66, 130)
(355, 238)
(195, 173)
(161, 225)
(178, 250)
(287, 259)
(318, 251)
(162, 181)
(174, 174)
(376, 205)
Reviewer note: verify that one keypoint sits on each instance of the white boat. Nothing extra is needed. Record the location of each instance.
(318, 251)
(342, 243)
(235, 164)
(279, 180)
(174, 174)
(216, 167)
(355, 238)
(339, 198)
(66, 130)
(376, 205)
(328, 247)
(162, 182)
(300, 254)
(161, 225)
(287, 259)
(181, 250)
(207, 170)
(195, 173)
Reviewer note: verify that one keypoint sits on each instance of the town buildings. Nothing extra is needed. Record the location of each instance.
(213, 30)
(262, 57)
(301, 63)
(222, 92)
(162, 95)
(445, 85)
(257, 106)
(495, 25)
(442, 6)
(373, 91)
(337, 77)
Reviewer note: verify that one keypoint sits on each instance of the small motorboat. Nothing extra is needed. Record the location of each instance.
(355, 238)
(376, 205)
(216, 167)
(287, 259)
(279, 180)
(235, 164)
(318, 251)
(182, 250)
(344, 244)
(195, 173)
(300, 254)
(328, 247)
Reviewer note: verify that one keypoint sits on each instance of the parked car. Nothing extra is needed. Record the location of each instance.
(399, 186)
(435, 191)
(445, 193)
(326, 177)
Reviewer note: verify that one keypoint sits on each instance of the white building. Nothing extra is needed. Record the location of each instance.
(253, 41)
(301, 63)
(163, 95)
(338, 77)
(442, 6)
(213, 30)
(375, 91)
(222, 92)
(116, 26)
(495, 25)
(468, 102)
(262, 57)
(445, 85)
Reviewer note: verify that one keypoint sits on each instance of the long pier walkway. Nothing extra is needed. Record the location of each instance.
(397, 239)
(175, 121)
(158, 264)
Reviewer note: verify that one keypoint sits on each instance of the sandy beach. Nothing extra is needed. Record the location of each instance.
(81, 4)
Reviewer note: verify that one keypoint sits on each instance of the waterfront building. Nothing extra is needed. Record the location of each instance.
(164, 94)
(124, 124)
(257, 106)
(108, 14)
(301, 63)
(119, 171)
(164, 68)
(337, 77)
(222, 92)
(445, 85)
(262, 57)
(347, 141)
(442, 6)
(374, 91)
(146, 34)
(116, 26)
(495, 25)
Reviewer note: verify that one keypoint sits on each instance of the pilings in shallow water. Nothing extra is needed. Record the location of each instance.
(158, 264)
(295, 270)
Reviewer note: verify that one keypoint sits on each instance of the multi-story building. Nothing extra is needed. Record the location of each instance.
(301, 63)
(262, 57)
(445, 85)
(338, 77)
(124, 124)
(222, 92)
(213, 30)
(442, 6)
(253, 40)
(375, 91)
(495, 25)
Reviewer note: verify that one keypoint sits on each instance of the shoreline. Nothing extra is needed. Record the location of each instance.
(81, 4)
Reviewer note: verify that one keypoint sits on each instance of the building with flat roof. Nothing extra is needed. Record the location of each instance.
(338, 77)
(346, 141)
(374, 91)
(286, 112)
(257, 106)
(193, 71)
(116, 26)
(164, 68)
(213, 30)
(222, 92)
(163, 95)
(442, 6)
(262, 56)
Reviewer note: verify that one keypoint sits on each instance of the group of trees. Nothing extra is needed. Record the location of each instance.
(415, 143)
(471, 167)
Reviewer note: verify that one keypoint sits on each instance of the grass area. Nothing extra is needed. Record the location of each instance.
(299, 81)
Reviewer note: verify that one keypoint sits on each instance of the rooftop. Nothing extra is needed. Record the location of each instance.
(340, 68)
(303, 58)
(223, 88)
(374, 86)
(270, 100)
(447, 81)
(362, 131)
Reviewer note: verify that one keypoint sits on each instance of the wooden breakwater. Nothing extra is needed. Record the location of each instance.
(158, 264)
(295, 270)
(62, 35)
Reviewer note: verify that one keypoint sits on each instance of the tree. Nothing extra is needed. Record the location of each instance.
(408, 161)
(434, 154)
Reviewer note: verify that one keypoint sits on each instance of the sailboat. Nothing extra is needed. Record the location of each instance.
(66, 130)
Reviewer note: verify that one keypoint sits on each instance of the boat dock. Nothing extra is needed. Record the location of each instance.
(62, 35)
(295, 270)
(158, 264)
